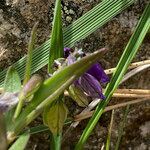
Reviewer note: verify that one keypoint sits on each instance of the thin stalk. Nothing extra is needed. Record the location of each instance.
(127, 93)
(56, 142)
(133, 91)
(132, 66)
(110, 130)
(135, 71)
(86, 115)
(122, 125)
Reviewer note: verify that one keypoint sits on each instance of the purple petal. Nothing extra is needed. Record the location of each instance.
(67, 52)
(90, 86)
(97, 71)
(71, 59)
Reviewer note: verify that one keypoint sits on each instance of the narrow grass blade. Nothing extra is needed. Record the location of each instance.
(84, 26)
(56, 44)
(129, 53)
(121, 127)
(29, 55)
(109, 131)
(21, 142)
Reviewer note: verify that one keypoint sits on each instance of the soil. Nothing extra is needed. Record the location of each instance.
(17, 17)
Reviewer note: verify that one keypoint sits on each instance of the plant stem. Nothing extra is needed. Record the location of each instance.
(56, 142)
(133, 65)
(108, 108)
(109, 131)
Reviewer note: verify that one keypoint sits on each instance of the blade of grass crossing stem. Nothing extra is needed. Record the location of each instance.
(51, 89)
(128, 54)
(30, 53)
(121, 127)
(81, 28)
(109, 131)
(56, 44)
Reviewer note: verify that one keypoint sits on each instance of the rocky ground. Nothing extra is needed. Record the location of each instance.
(17, 17)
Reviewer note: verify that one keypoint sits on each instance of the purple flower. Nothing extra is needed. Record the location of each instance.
(98, 72)
(90, 81)
(67, 52)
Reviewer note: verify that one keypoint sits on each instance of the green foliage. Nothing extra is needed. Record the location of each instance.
(12, 84)
(55, 116)
(30, 53)
(126, 58)
(56, 44)
(53, 87)
(12, 81)
(46, 95)
(21, 142)
(80, 29)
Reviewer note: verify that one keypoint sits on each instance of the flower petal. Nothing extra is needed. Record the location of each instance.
(67, 51)
(97, 71)
(71, 59)
(90, 86)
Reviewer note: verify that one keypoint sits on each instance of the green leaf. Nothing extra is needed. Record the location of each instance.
(78, 96)
(56, 44)
(55, 116)
(21, 142)
(81, 28)
(126, 58)
(29, 55)
(53, 87)
(12, 84)
(12, 81)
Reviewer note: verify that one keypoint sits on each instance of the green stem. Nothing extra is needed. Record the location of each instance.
(109, 131)
(56, 142)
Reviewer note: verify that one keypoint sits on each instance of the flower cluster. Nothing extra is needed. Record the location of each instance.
(90, 82)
